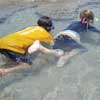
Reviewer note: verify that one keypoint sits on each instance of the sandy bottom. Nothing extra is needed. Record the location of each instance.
(77, 80)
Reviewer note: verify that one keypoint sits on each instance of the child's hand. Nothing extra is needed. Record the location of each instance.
(2, 72)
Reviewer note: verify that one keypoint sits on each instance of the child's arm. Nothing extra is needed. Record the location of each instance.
(64, 59)
(94, 29)
(36, 46)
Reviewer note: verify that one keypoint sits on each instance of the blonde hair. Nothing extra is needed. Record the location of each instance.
(89, 15)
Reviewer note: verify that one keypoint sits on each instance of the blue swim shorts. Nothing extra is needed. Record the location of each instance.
(65, 43)
(17, 57)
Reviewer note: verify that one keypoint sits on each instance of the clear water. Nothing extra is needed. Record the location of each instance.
(77, 80)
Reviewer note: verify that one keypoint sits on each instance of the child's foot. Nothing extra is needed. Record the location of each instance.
(35, 47)
(2, 72)
(59, 53)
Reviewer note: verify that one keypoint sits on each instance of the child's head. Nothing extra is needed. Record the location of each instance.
(46, 23)
(87, 17)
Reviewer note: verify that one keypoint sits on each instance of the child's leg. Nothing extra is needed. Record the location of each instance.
(20, 66)
(38, 47)
(64, 59)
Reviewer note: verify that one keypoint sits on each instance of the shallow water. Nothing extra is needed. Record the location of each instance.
(77, 80)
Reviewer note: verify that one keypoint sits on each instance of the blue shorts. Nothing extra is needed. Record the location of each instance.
(17, 57)
(66, 43)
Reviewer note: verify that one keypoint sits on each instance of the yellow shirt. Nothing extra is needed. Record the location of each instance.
(21, 40)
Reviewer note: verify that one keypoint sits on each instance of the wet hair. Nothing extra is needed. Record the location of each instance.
(89, 15)
(45, 22)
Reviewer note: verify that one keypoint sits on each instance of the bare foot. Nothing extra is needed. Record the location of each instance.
(2, 72)
(59, 53)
